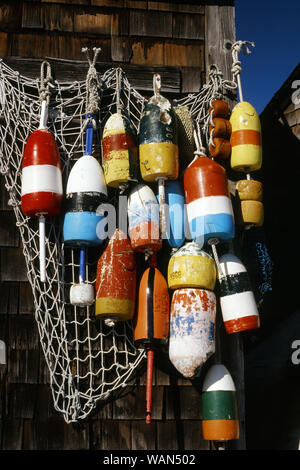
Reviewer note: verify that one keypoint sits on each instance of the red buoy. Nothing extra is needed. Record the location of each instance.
(42, 192)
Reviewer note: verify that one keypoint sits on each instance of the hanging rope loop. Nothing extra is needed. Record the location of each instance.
(118, 89)
(46, 82)
(93, 83)
(236, 68)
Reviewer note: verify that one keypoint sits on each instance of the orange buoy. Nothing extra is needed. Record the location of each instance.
(143, 220)
(151, 326)
(219, 130)
(116, 280)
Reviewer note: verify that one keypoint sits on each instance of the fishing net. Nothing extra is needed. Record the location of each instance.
(87, 360)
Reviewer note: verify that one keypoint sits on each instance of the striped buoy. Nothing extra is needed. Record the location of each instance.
(143, 220)
(151, 326)
(219, 405)
(86, 190)
(246, 152)
(119, 150)
(237, 300)
(191, 267)
(116, 280)
(41, 189)
(209, 208)
(192, 330)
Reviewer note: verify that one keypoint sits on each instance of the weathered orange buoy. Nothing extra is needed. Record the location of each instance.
(219, 130)
(116, 280)
(219, 406)
(143, 220)
(152, 321)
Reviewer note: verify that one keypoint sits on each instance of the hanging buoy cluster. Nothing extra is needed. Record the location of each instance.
(201, 207)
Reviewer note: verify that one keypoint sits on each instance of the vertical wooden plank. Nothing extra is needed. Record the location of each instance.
(12, 434)
(116, 435)
(167, 438)
(193, 439)
(9, 234)
(219, 37)
(32, 16)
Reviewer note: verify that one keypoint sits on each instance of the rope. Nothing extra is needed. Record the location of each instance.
(44, 89)
(236, 69)
(92, 83)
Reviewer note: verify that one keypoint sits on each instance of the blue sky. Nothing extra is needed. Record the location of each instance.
(274, 27)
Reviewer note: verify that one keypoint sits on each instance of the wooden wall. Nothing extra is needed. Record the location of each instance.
(180, 40)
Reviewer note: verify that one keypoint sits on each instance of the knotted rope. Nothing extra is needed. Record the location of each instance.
(236, 68)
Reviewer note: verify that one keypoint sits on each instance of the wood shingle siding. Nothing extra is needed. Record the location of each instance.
(143, 37)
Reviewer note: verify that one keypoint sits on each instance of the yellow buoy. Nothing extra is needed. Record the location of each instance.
(246, 150)
(252, 213)
(250, 190)
(191, 267)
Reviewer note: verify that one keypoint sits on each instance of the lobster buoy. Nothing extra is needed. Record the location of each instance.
(175, 213)
(192, 330)
(252, 210)
(41, 190)
(120, 154)
(86, 190)
(116, 280)
(219, 130)
(151, 326)
(237, 301)
(219, 405)
(191, 267)
(246, 148)
(143, 220)
(209, 208)
(158, 148)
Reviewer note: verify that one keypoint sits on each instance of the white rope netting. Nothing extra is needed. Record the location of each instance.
(87, 360)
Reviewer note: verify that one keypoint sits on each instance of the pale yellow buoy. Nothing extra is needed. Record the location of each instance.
(191, 267)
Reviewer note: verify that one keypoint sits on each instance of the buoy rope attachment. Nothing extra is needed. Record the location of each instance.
(236, 68)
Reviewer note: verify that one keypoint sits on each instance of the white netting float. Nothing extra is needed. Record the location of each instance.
(87, 360)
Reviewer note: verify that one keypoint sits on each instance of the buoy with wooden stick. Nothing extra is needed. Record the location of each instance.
(158, 149)
(151, 328)
(86, 190)
(42, 190)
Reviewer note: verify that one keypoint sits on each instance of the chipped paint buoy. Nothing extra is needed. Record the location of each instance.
(246, 152)
(151, 326)
(192, 329)
(175, 213)
(237, 301)
(209, 208)
(219, 405)
(120, 153)
(191, 267)
(143, 220)
(116, 280)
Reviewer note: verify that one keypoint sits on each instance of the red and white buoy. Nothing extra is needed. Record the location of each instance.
(42, 191)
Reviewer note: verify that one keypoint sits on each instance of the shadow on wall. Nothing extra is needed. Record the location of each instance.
(272, 380)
